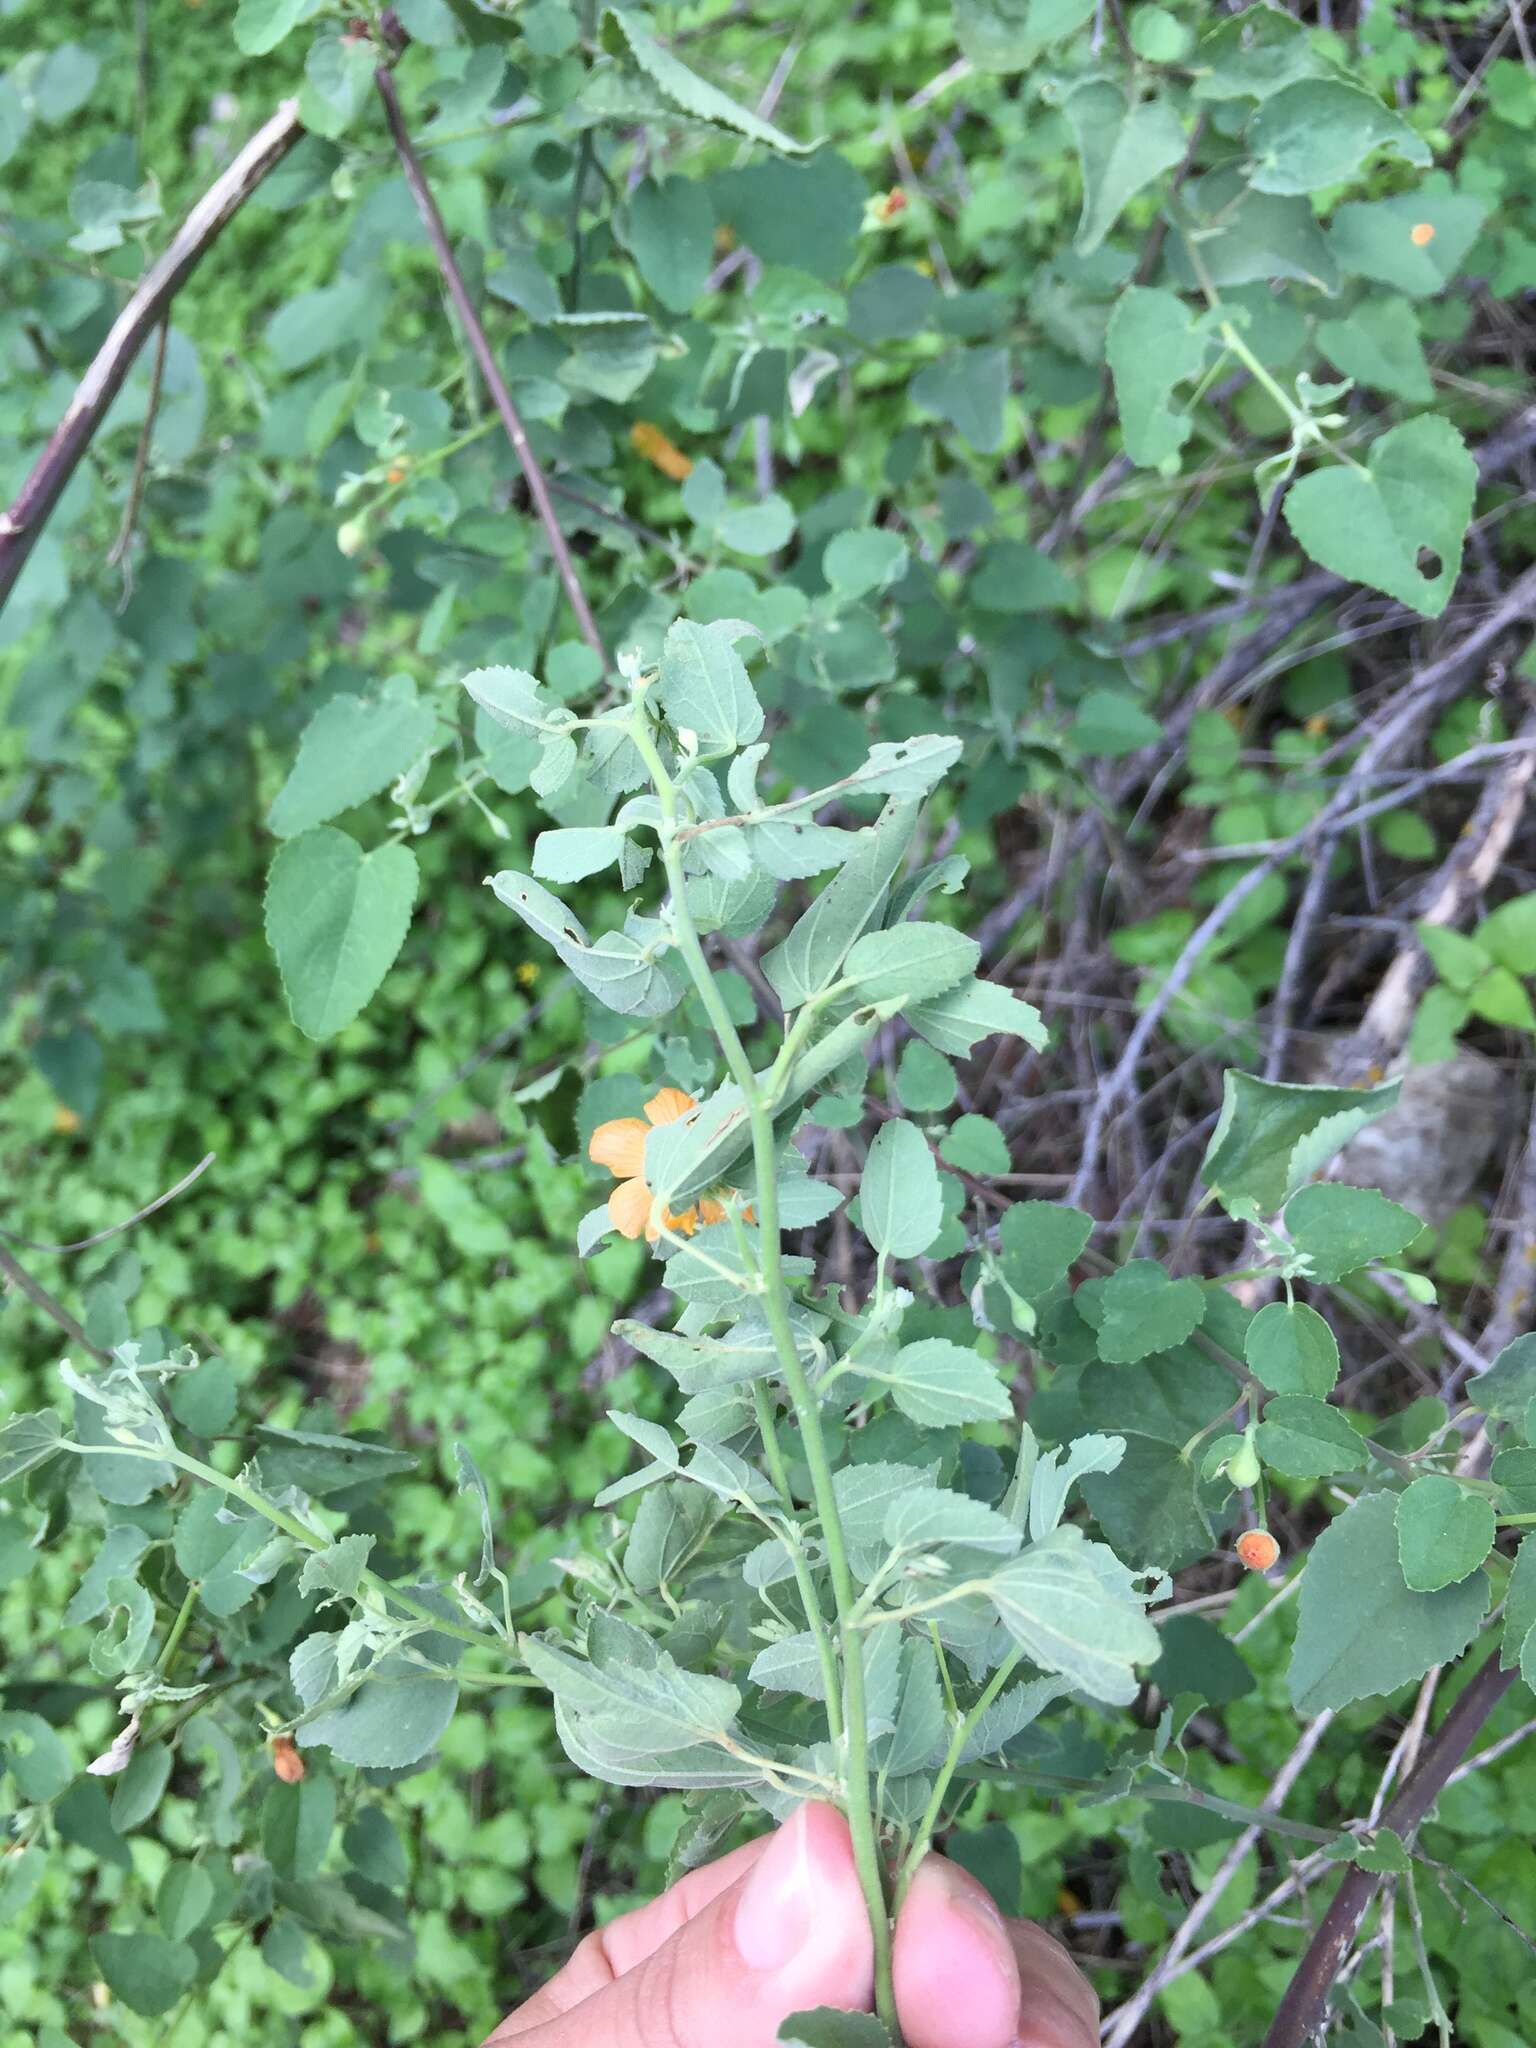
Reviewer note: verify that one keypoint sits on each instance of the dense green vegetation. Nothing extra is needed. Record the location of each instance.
(1139, 398)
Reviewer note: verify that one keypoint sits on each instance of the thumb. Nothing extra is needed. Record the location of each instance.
(788, 1935)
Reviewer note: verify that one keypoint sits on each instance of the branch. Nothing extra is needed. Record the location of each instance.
(1419, 700)
(20, 527)
(39, 1296)
(1306, 1998)
(484, 356)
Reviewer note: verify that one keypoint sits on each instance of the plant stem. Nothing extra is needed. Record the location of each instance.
(947, 1769)
(776, 1307)
(178, 1627)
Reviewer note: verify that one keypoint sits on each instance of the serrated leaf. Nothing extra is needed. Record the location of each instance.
(1009, 1715)
(1343, 1228)
(1143, 1311)
(146, 1971)
(932, 1517)
(807, 960)
(939, 1383)
(27, 1441)
(336, 919)
(865, 1493)
(1292, 1350)
(515, 701)
(336, 1572)
(900, 1208)
(623, 32)
(615, 966)
(969, 388)
(1040, 1242)
(1272, 1135)
(394, 1718)
(351, 749)
(1066, 1620)
(1444, 1531)
(704, 686)
(1306, 1439)
(1008, 35)
(1398, 526)
(913, 961)
(960, 1018)
(572, 852)
(1361, 1629)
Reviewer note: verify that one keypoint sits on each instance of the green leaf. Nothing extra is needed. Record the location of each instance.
(1318, 131)
(671, 234)
(1153, 343)
(866, 1493)
(900, 1209)
(1066, 1619)
(1306, 1439)
(147, 1972)
(1040, 1243)
(352, 748)
(1292, 1350)
(260, 25)
(1374, 238)
(393, 1719)
(825, 2028)
(969, 388)
(1507, 1388)
(1110, 725)
(1500, 999)
(336, 1572)
(1379, 346)
(1361, 1629)
(1123, 149)
(1444, 1531)
(336, 918)
(515, 701)
(704, 684)
(1399, 527)
(802, 964)
(1519, 1607)
(1008, 35)
(203, 1400)
(939, 1383)
(1143, 1310)
(616, 967)
(864, 559)
(959, 1019)
(974, 1144)
(573, 852)
(184, 1900)
(1273, 1135)
(1509, 934)
(925, 1080)
(296, 1825)
(912, 961)
(141, 1787)
(35, 1757)
(320, 1464)
(622, 33)
(27, 1441)
(1343, 1228)
(1013, 577)
(1458, 960)
(806, 217)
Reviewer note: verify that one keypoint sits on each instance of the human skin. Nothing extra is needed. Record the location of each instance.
(779, 1927)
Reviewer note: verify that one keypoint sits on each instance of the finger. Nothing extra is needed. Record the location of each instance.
(789, 1935)
(967, 1978)
(625, 1943)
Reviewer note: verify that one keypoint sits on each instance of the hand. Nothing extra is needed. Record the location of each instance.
(779, 1927)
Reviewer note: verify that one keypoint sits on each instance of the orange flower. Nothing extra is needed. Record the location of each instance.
(620, 1146)
(286, 1761)
(647, 439)
(1422, 234)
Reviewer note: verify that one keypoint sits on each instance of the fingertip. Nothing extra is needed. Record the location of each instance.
(800, 1925)
(957, 1979)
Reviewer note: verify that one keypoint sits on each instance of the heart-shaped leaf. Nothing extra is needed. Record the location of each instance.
(1443, 1532)
(336, 918)
(1399, 525)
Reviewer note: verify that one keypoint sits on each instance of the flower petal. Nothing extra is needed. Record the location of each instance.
(684, 1221)
(629, 1208)
(620, 1146)
(668, 1104)
(711, 1211)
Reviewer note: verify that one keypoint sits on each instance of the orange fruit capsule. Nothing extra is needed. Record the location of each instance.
(286, 1761)
(1422, 234)
(1257, 1549)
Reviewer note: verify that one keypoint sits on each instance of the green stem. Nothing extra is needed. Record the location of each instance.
(289, 1525)
(946, 1771)
(178, 1627)
(776, 1307)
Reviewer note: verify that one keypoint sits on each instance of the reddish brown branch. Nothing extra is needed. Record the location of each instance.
(145, 310)
(1306, 1998)
(484, 356)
